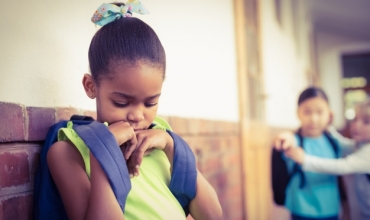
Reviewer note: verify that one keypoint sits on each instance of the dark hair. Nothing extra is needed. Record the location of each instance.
(312, 92)
(125, 41)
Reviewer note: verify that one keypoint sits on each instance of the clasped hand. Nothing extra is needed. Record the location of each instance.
(136, 144)
(286, 142)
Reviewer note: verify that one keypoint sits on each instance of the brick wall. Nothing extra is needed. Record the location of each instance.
(22, 130)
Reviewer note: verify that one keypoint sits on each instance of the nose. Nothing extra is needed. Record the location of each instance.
(135, 115)
(314, 118)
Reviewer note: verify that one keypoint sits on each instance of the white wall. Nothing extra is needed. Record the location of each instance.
(330, 48)
(285, 60)
(44, 54)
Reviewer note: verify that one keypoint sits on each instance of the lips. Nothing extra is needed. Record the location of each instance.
(312, 127)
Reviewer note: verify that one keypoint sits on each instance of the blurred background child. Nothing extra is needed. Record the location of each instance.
(358, 162)
(318, 197)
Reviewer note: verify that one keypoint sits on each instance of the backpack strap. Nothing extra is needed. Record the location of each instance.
(46, 198)
(341, 184)
(183, 184)
(298, 168)
(279, 176)
(81, 118)
(104, 147)
(333, 143)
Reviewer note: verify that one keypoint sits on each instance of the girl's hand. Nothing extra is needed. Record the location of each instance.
(284, 140)
(296, 154)
(125, 136)
(147, 141)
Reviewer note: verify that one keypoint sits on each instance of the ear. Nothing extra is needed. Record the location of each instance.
(89, 86)
(297, 112)
(331, 117)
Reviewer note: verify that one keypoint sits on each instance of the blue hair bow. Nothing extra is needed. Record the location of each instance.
(107, 13)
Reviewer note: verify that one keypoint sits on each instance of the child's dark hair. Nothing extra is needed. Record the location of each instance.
(312, 92)
(125, 41)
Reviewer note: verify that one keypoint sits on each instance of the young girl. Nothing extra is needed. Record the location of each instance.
(319, 197)
(127, 63)
(358, 162)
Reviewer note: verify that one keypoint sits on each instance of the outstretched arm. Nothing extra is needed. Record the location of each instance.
(357, 162)
(347, 145)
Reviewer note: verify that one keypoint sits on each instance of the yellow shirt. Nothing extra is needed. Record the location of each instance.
(150, 197)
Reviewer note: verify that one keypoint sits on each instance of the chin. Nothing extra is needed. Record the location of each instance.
(314, 132)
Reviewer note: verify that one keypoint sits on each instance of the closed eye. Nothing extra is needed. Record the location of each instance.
(148, 105)
(121, 105)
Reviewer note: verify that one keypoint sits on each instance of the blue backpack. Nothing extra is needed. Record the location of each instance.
(47, 200)
(280, 176)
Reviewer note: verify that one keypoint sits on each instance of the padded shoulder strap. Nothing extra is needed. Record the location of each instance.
(47, 202)
(104, 147)
(184, 172)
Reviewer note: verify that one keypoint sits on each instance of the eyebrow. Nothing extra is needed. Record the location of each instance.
(123, 95)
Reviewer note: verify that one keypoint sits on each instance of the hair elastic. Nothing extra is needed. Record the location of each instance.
(108, 12)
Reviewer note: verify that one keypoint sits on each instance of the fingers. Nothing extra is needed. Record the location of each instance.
(142, 146)
(130, 147)
(145, 141)
(122, 131)
(132, 168)
(282, 144)
(284, 141)
(286, 144)
(279, 144)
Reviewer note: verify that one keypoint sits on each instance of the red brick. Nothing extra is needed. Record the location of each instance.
(215, 143)
(222, 179)
(39, 122)
(192, 141)
(12, 122)
(231, 159)
(17, 164)
(14, 169)
(235, 128)
(200, 126)
(232, 141)
(179, 125)
(234, 207)
(34, 158)
(211, 163)
(16, 207)
(65, 113)
(208, 144)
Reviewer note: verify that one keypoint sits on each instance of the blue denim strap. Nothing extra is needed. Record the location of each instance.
(183, 182)
(104, 147)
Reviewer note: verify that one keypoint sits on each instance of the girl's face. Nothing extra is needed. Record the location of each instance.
(314, 115)
(360, 129)
(132, 95)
